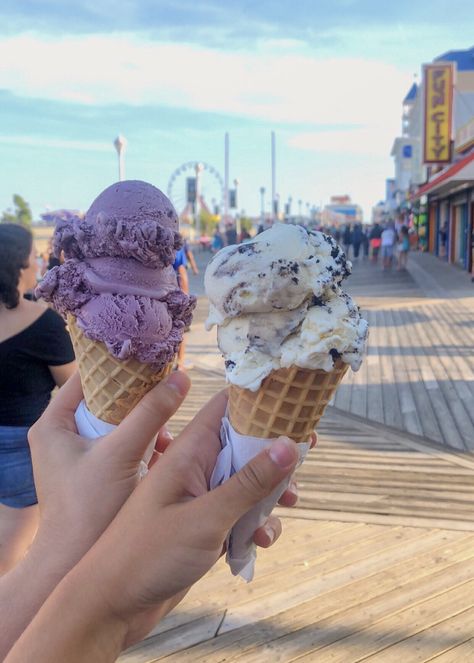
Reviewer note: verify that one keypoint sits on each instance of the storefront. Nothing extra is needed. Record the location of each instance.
(449, 214)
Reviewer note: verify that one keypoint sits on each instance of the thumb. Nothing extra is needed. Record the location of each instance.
(253, 482)
(135, 432)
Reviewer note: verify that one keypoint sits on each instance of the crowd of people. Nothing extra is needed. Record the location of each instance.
(389, 242)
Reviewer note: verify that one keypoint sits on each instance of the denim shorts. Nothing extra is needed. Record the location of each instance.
(17, 487)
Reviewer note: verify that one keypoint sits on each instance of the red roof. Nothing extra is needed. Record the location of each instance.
(454, 172)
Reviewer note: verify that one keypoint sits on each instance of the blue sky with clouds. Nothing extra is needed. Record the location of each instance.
(328, 76)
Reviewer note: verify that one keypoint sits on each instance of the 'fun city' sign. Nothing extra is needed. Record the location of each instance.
(438, 87)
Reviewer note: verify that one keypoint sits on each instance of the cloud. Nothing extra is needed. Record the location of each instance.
(369, 141)
(271, 83)
(55, 143)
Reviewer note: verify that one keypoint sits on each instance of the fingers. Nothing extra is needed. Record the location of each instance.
(253, 482)
(290, 496)
(137, 429)
(163, 441)
(60, 412)
(313, 440)
(267, 534)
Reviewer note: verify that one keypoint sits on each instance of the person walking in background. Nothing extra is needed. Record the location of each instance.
(217, 241)
(180, 267)
(347, 239)
(36, 354)
(389, 238)
(357, 240)
(375, 238)
(403, 248)
(365, 242)
(190, 258)
(245, 235)
(231, 235)
(443, 239)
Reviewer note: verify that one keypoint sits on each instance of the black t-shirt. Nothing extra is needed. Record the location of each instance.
(25, 379)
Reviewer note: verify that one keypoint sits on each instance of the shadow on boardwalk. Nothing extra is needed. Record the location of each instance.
(375, 563)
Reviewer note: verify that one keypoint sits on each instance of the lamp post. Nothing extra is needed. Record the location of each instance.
(120, 144)
(262, 205)
(300, 202)
(238, 225)
(290, 200)
(198, 168)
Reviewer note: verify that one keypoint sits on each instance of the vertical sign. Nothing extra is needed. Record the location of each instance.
(438, 86)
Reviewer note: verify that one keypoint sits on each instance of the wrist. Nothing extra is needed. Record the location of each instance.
(74, 625)
(92, 623)
(25, 589)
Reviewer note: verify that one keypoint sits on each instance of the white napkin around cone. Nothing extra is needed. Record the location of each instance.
(90, 427)
(237, 451)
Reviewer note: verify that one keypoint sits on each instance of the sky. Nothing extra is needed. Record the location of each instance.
(328, 76)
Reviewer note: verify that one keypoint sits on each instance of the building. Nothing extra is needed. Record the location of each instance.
(341, 210)
(407, 153)
(447, 197)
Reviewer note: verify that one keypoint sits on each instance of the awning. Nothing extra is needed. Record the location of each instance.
(457, 175)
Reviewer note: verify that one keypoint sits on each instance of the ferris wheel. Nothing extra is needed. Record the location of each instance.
(211, 186)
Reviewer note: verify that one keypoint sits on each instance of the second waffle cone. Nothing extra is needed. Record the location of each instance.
(111, 387)
(290, 402)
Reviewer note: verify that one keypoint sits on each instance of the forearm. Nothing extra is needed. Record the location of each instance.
(23, 591)
(72, 626)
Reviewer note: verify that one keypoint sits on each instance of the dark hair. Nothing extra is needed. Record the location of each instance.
(15, 248)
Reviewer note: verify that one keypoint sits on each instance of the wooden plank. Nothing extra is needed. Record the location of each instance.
(426, 644)
(322, 624)
(460, 654)
(385, 591)
(363, 560)
(411, 418)
(374, 379)
(188, 635)
(447, 425)
(380, 519)
(391, 405)
(347, 647)
(456, 406)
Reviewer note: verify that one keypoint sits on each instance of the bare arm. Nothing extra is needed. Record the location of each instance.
(61, 374)
(192, 262)
(183, 279)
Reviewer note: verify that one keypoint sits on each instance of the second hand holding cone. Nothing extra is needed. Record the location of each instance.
(288, 334)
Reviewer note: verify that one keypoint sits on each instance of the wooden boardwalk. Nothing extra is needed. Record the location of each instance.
(419, 373)
(375, 564)
(418, 376)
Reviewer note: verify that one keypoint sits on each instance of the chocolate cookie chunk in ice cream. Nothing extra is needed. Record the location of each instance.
(277, 302)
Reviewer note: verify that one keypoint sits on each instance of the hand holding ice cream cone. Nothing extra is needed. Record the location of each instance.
(288, 333)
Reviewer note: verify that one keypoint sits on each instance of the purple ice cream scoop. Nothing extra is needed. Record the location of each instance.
(129, 219)
(117, 279)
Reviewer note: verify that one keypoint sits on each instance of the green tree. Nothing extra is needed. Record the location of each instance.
(246, 223)
(207, 222)
(21, 213)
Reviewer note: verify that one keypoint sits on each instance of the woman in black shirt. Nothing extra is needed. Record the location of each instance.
(35, 355)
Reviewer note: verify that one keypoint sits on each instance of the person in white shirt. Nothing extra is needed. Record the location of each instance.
(389, 238)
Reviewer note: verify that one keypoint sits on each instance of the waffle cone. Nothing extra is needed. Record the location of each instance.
(111, 387)
(290, 402)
